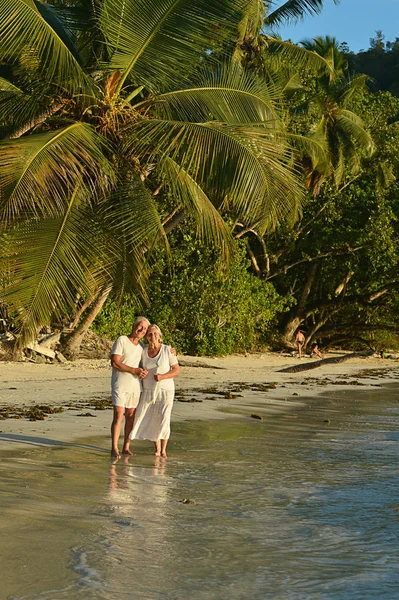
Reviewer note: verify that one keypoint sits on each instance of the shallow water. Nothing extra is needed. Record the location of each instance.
(288, 508)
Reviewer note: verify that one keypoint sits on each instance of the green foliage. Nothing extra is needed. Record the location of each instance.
(112, 99)
(200, 308)
(116, 318)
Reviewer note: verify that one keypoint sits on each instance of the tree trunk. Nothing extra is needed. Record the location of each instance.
(297, 317)
(37, 121)
(71, 347)
(82, 310)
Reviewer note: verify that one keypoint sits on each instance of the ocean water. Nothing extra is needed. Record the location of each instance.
(298, 506)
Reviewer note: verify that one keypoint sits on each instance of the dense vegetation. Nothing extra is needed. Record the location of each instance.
(181, 163)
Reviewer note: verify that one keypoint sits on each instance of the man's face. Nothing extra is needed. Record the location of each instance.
(140, 329)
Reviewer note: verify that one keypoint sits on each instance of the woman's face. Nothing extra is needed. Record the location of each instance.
(152, 335)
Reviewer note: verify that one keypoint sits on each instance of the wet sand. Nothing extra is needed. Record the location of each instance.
(301, 504)
(251, 384)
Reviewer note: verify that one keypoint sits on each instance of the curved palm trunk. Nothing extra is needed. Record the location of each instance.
(71, 347)
(37, 121)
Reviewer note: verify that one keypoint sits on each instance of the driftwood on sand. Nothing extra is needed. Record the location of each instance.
(324, 361)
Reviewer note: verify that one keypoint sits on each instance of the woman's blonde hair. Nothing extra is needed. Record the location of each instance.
(157, 328)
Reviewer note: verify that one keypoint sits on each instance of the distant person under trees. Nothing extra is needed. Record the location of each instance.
(314, 351)
(299, 341)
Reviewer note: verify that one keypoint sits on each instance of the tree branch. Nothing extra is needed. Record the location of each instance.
(338, 252)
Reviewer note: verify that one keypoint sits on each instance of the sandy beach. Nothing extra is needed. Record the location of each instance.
(207, 389)
(318, 468)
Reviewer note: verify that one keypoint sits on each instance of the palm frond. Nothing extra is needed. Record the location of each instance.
(297, 57)
(352, 86)
(50, 260)
(169, 35)
(353, 126)
(38, 172)
(293, 10)
(227, 94)
(210, 225)
(130, 223)
(245, 168)
(29, 28)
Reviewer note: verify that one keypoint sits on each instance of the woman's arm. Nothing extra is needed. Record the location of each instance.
(174, 371)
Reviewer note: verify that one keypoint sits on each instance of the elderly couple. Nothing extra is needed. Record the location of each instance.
(142, 378)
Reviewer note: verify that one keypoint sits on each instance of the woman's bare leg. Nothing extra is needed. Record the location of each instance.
(157, 445)
(164, 443)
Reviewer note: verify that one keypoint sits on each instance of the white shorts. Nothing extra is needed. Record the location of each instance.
(125, 399)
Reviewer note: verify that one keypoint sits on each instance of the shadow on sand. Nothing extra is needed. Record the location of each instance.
(42, 441)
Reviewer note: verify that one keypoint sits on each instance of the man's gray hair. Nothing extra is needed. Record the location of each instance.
(158, 329)
(139, 320)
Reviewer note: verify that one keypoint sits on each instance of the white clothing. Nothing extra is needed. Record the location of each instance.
(152, 419)
(160, 364)
(126, 387)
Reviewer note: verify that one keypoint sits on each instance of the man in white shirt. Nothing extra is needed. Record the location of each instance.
(126, 382)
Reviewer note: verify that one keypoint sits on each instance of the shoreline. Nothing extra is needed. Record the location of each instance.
(207, 389)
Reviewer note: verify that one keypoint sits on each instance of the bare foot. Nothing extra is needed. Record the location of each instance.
(164, 455)
(126, 452)
(115, 454)
(157, 454)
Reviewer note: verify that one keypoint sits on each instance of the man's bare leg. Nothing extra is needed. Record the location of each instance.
(129, 422)
(157, 445)
(164, 443)
(119, 411)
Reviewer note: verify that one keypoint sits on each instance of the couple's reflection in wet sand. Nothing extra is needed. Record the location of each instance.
(137, 486)
(141, 521)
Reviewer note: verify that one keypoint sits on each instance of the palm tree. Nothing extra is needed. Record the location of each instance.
(103, 103)
(327, 107)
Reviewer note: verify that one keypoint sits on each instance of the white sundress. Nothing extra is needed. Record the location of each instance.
(152, 418)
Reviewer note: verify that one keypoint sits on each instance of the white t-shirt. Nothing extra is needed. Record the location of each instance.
(161, 364)
(131, 356)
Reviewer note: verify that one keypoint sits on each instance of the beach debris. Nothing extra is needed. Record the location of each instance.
(37, 412)
(5, 334)
(60, 357)
(189, 400)
(187, 501)
(190, 363)
(86, 414)
(41, 350)
(256, 416)
(327, 421)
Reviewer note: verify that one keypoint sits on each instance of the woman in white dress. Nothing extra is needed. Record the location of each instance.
(152, 420)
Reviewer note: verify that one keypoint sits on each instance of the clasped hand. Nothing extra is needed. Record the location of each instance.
(142, 373)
